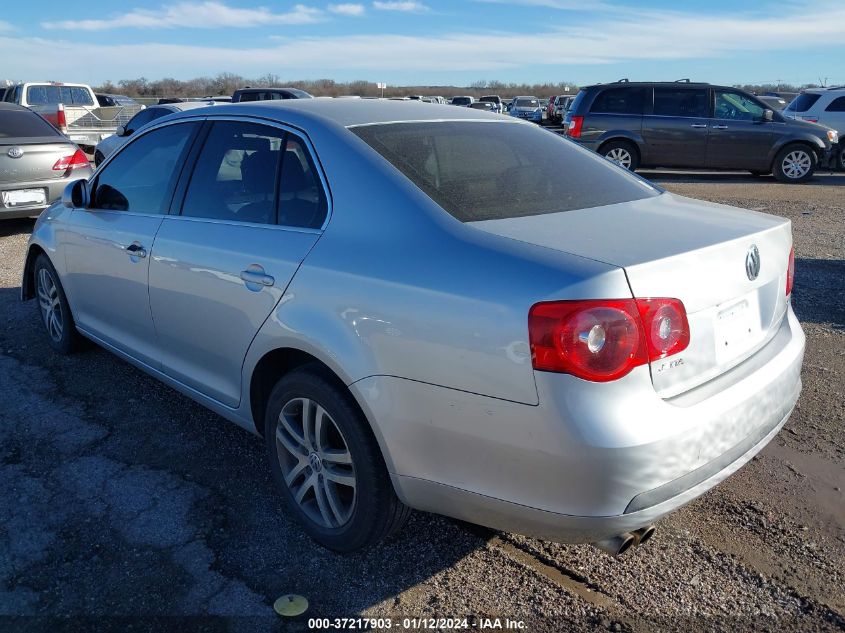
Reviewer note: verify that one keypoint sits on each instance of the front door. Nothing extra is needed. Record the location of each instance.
(108, 244)
(675, 132)
(740, 138)
(219, 268)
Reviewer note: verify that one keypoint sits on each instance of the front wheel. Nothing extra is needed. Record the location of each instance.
(795, 164)
(53, 308)
(327, 463)
(622, 153)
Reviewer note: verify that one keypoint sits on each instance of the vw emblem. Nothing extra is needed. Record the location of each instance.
(316, 462)
(752, 262)
(15, 152)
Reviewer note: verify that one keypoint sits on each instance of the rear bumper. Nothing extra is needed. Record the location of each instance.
(52, 188)
(591, 460)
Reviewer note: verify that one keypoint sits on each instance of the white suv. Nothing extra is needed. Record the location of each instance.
(821, 105)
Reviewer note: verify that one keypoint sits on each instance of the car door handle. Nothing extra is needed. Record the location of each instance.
(720, 127)
(255, 274)
(136, 250)
(698, 125)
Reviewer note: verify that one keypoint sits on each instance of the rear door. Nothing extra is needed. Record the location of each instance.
(254, 206)
(675, 131)
(740, 138)
(107, 246)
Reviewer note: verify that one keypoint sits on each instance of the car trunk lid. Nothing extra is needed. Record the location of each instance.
(31, 159)
(698, 252)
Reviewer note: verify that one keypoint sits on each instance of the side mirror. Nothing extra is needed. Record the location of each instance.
(75, 195)
(768, 115)
(120, 131)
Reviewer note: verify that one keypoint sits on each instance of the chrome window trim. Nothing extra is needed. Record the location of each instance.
(210, 117)
(505, 120)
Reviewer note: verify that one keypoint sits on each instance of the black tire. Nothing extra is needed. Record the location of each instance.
(68, 340)
(622, 149)
(376, 512)
(804, 155)
(98, 158)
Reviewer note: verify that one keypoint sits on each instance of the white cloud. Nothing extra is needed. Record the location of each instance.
(651, 35)
(347, 9)
(202, 15)
(406, 6)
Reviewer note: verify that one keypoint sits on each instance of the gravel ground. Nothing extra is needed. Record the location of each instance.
(128, 507)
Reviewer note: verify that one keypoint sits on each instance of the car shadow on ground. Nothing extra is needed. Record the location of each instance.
(129, 498)
(822, 178)
(16, 227)
(819, 292)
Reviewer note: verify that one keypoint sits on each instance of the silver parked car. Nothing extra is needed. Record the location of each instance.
(36, 162)
(421, 306)
(109, 145)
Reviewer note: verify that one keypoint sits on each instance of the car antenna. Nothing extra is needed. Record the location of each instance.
(685, 80)
(624, 80)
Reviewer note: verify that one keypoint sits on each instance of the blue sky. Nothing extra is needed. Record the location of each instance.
(408, 42)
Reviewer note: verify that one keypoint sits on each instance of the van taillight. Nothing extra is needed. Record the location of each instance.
(574, 127)
(790, 272)
(603, 340)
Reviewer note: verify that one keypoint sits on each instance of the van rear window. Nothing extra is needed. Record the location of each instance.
(493, 170)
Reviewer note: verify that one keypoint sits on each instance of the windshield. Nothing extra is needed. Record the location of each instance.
(527, 103)
(488, 171)
(462, 100)
(803, 102)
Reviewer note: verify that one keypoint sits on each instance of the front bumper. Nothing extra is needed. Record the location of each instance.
(591, 460)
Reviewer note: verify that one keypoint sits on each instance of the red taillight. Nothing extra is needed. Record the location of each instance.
(74, 161)
(61, 120)
(602, 340)
(790, 272)
(574, 127)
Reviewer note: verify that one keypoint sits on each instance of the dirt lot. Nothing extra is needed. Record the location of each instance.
(122, 498)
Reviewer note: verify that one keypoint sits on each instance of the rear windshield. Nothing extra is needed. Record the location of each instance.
(490, 171)
(68, 95)
(17, 124)
(803, 102)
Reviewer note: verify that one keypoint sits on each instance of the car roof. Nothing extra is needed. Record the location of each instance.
(6, 105)
(349, 112)
(184, 105)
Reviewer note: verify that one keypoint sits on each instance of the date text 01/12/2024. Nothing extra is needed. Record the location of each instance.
(382, 624)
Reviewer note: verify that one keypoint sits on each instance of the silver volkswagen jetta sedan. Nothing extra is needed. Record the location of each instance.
(435, 308)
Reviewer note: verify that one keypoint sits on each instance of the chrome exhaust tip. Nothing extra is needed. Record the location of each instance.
(616, 545)
(644, 534)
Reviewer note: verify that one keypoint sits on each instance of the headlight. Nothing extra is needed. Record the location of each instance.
(833, 136)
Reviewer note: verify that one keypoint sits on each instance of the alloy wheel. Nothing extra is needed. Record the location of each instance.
(796, 164)
(51, 305)
(620, 156)
(316, 463)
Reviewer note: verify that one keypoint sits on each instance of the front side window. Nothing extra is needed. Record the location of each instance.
(619, 101)
(681, 102)
(735, 106)
(837, 105)
(141, 177)
(489, 171)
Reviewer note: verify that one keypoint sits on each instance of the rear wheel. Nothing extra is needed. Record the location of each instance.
(795, 164)
(622, 153)
(53, 308)
(327, 463)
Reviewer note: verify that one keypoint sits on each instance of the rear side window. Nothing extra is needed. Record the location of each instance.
(837, 105)
(487, 171)
(23, 123)
(681, 102)
(142, 175)
(619, 101)
(302, 199)
(803, 102)
(235, 174)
